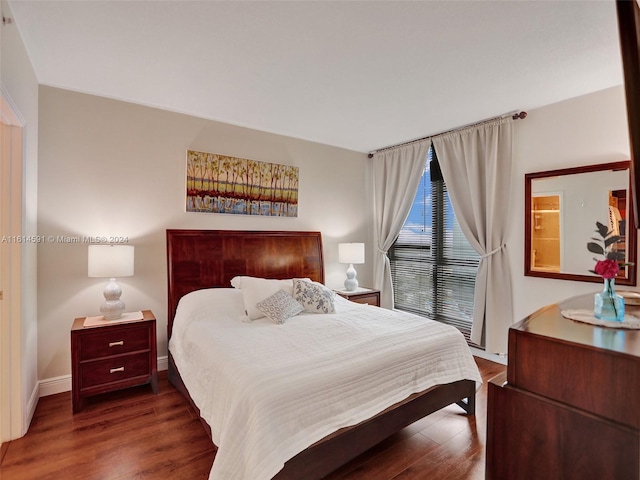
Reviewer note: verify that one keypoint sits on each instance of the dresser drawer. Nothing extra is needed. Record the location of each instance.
(110, 370)
(114, 342)
(590, 379)
(549, 440)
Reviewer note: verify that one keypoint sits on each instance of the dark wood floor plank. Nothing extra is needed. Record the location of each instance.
(134, 434)
(394, 455)
(442, 462)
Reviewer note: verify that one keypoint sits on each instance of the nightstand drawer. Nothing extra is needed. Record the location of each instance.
(114, 369)
(113, 342)
(366, 299)
(366, 296)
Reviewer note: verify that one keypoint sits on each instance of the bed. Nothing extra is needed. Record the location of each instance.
(201, 265)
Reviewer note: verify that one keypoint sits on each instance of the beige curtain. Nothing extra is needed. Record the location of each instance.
(476, 165)
(396, 177)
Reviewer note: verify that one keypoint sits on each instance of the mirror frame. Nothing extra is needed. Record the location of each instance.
(631, 232)
(628, 13)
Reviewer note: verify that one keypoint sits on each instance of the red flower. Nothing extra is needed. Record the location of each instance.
(607, 268)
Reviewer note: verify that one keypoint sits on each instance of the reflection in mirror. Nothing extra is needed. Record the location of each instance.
(565, 210)
(545, 237)
(562, 208)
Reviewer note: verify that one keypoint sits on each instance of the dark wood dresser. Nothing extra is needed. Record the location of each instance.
(569, 404)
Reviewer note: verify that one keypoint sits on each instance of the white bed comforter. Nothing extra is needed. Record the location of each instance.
(269, 391)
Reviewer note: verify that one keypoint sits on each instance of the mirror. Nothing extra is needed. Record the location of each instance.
(561, 211)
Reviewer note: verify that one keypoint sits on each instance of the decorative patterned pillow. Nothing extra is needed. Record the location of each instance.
(279, 307)
(315, 297)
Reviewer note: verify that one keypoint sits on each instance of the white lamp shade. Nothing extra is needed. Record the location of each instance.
(351, 252)
(110, 261)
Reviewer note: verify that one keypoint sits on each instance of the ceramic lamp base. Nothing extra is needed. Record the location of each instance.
(112, 308)
(351, 283)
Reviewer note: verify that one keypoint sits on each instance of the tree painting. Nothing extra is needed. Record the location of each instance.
(223, 184)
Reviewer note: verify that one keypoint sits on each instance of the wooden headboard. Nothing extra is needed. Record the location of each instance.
(199, 259)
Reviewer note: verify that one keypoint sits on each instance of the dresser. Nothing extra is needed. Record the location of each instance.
(112, 356)
(568, 406)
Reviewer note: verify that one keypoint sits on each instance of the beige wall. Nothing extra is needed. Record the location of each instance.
(585, 130)
(19, 83)
(114, 168)
(91, 146)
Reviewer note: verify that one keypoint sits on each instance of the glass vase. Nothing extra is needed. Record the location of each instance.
(608, 305)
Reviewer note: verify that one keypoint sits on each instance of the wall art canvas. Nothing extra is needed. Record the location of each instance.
(223, 184)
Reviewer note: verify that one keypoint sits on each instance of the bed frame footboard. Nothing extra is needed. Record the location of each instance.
(468, 404)
(333, 451)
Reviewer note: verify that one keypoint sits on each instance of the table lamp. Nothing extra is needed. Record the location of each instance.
(351, 253)
(111, 261)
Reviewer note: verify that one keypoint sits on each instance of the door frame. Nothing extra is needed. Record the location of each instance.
(12, 407)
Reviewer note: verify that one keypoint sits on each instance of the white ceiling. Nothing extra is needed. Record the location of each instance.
(354, 74)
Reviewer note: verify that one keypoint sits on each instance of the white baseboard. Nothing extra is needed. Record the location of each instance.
(494, 357)
(163, 363)
(54, 385)
(51, 386)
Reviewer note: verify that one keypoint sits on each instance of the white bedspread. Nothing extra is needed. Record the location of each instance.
(269, 391)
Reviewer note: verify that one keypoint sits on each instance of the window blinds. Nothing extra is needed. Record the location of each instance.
(433, 267)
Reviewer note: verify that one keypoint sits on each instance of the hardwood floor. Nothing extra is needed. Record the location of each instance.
(133, 434)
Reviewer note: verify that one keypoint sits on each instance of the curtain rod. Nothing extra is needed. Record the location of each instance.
(514, 115)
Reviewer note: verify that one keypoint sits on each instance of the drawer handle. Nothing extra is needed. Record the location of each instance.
(115, 370)
(116, 344)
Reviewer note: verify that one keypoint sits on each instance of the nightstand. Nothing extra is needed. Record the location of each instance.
(367, 296)
(112, 355)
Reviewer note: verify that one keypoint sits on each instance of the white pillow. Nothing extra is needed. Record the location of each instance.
(315, 297)
(255, 290)
(236, 282)
(279, 307)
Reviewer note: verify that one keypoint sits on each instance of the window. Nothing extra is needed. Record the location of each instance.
(433, 267)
